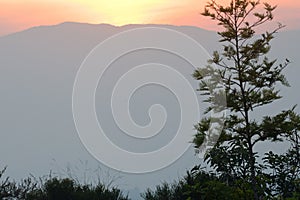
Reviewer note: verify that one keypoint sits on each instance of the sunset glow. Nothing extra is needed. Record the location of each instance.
(17, 15)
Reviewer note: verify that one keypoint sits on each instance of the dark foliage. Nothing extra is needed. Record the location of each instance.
(56, 189)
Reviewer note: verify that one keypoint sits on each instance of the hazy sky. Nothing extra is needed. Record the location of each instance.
(16, 15)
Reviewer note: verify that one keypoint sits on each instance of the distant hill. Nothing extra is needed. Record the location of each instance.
(37, 71)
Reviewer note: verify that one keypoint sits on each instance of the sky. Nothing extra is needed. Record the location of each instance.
(17, 15)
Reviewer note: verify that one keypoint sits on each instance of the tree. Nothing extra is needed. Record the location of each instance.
(250, 80)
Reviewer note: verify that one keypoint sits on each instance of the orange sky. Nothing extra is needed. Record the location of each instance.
(16, 15)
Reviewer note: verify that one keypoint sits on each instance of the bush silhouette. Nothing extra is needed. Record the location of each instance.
(56, 189)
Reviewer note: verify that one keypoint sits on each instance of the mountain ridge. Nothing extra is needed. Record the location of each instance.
(101, 25)
(38, 68)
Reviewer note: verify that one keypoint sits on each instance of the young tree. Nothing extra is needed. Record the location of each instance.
(249, 78)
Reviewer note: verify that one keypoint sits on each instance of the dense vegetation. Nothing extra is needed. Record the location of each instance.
(54, 188)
